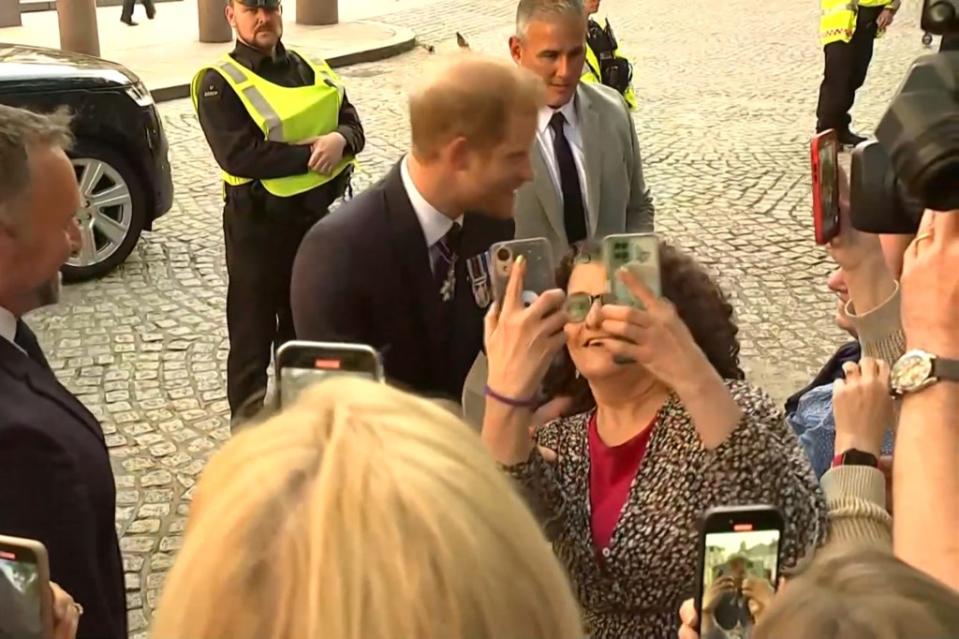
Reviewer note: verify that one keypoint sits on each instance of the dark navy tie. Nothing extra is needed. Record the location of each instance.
(574, 214)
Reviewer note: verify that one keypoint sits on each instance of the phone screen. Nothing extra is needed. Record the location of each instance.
(827, 201)
(20, 592)
(740, 568)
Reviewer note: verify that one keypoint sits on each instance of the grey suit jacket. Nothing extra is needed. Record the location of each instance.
(618, 200)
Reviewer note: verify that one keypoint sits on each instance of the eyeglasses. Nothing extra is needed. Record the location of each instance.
(578, 305)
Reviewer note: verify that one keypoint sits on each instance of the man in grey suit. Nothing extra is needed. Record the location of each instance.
(586, 162)
(587, 170)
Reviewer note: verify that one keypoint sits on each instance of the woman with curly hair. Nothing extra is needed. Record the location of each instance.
(661, 428)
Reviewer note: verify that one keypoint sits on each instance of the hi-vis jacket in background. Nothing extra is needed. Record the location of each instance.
(284, 114)
(605, 64)
(837, 21)
(260, 111)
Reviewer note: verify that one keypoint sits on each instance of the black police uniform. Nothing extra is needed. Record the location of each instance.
(846, 66)
(263, 231)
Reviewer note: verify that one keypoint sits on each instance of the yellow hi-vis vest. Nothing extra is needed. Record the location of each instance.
(591, 75)
(837, 21)
(284, 114)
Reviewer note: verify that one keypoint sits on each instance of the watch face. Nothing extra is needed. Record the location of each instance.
(912, 371)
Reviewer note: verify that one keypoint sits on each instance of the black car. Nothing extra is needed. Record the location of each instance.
(120, 154)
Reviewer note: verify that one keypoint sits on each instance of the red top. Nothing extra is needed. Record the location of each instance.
(611, 473)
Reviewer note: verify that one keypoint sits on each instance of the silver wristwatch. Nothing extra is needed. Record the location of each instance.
(918, 369)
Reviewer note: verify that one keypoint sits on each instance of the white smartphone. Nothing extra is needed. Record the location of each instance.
(540, 267)
(26, 601)
(301, 364)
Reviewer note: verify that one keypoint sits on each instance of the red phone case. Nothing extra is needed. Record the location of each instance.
(823, 235)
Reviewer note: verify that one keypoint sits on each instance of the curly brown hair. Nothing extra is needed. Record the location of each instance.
(698, 299)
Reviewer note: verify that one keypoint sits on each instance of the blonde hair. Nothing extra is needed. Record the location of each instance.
(362, 513)
(861, 593)
(473, 97)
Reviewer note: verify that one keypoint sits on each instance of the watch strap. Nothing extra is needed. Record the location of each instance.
(946, 370)
(853, 457)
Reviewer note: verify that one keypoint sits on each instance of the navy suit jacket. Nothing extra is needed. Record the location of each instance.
(56, 486)
(362, 274)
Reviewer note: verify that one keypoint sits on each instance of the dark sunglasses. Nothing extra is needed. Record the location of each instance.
(578, 305)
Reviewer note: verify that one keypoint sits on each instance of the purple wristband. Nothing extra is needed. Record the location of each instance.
(509, 401)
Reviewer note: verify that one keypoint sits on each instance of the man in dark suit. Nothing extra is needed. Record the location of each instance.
(56, 483)
(403, 266)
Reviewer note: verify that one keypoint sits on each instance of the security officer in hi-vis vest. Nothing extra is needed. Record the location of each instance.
(605, 64)
(847, 30)
(285, 136)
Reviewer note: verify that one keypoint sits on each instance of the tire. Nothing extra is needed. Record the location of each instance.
(113, 215)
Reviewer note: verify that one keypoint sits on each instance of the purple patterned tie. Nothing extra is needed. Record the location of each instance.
(444, 262)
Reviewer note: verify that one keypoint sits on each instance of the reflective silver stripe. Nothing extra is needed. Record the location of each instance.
(231, 70)
(274, 125)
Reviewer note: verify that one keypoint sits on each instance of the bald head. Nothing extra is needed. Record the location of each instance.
(470, 97)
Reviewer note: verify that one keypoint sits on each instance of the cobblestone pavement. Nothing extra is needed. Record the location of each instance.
(728, 95)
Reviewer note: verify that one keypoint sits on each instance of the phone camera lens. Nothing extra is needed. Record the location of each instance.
(504, 254)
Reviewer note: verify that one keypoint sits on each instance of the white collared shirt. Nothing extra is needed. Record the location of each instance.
(435, 225)
(545, 136)
(8, 327)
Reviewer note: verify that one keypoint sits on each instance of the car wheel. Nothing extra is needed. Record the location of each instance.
(112, 211)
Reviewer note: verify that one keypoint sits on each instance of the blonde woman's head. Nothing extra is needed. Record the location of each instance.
(861, 593)
(362, 512)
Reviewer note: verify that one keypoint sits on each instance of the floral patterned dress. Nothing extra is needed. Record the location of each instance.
(633, 588)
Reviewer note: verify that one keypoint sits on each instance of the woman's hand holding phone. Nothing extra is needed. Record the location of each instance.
(655, 336)
(521, 341)
(689, 620)
(66, 613)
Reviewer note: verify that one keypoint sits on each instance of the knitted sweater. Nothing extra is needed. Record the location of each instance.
(856, 495)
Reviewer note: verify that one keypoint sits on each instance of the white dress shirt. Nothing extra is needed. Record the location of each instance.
(435, 224)
(8, 327)
(546, 136)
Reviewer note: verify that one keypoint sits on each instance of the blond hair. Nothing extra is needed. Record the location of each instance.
(362, 513)
(473, 97)
(864, 593)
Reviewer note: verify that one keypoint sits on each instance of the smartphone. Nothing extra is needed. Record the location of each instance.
(540, 267)
(26, 601)
(739, 555)
(639, 251)
(299, 365)
(825, 185)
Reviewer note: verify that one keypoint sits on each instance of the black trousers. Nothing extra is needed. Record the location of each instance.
(127, 11)
(846, 67)
(261, 244)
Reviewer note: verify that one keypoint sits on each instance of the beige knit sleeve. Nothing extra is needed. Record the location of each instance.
(880, 330)
(856, 499)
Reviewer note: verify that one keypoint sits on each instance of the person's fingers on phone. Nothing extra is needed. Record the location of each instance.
(624, 330)
(490, 322)
(634, 282)
(547, 303)
(66, 615)
(513, 298)
(687, 612)
(635, 316)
